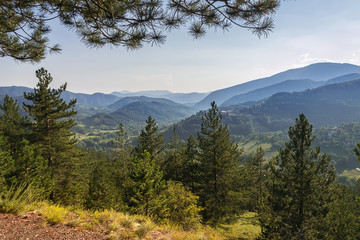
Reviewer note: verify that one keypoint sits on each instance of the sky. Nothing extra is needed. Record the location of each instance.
(306, 32)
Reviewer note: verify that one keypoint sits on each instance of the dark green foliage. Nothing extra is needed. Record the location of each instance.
(173, 165)
(181, 206)
(342, 221)
(253, 176)
(50, 131)
(12, 125)
(103, 193)
(121, 164)
(7, 164)
(24, 31)
(219, 162)
(191, 167)
(150, 140)
(21, 162)
(298, 184)
(146, 187)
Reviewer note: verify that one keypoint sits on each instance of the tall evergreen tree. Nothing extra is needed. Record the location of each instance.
(121, 163)
(12, 125)
(146, 187)
(150, 140)
(191, 165)
(298, 188)
(253, 178)
(174, 159)
(22, 162)
(52, 121)
(219, 161)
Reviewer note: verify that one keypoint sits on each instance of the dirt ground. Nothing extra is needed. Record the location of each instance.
(31, 226)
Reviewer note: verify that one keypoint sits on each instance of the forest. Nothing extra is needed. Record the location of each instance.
(205, 180)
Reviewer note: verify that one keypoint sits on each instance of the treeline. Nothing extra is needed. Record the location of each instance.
(204, 179)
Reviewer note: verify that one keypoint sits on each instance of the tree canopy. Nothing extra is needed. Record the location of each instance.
(24, 25)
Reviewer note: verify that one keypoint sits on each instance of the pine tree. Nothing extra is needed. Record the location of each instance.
(174, 159)
(191, 166)
(12, 125)
(121, 163)
(150, 140)
(298, 186)
(7, 165)
(147, 187)
(24, 24)
(22, 162)
(342, 221)
(50, 131)
(219, 161)
(253, 177)
(103, 193)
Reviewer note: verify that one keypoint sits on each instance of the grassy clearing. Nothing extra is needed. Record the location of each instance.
(119, 225)
(350, 174)
(246, 227)
(251, 146)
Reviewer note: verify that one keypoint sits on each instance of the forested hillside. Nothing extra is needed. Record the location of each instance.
(207, 178)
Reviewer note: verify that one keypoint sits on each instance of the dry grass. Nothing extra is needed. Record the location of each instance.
(121, 226)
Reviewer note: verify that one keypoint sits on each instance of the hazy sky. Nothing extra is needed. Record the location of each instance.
(306, 31)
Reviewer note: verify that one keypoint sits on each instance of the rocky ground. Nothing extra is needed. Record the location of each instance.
(31, 226)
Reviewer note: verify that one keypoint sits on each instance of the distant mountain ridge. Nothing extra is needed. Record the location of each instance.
(327, 105)
(261, 93)
(315, 72)
(137, 112)
(127, 100)
(183, 98)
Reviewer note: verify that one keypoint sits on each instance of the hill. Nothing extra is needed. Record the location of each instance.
(136, 113)
(182, 98)
(327, 105)
(315, 72)
(261, 93)
(90, 100)
(127, 100)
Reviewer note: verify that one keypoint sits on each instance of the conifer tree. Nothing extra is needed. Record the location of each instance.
(22, 162)
(191, 165)
(12, 125)
(50, 131)
(150, 140)
(174, 159)
(147, 186)
(253, 178)
(103, 193)
(121, 163)
(7, 165)
(219, 161)
(25, 24)
(298, 188)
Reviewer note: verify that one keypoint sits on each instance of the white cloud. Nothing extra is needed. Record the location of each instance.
(305, 59)
(355, 57)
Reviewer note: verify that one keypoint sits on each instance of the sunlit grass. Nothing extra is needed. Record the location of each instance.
(350, 174)
(246, 227)
(117, 225)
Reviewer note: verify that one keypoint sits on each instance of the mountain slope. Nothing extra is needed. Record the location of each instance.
(137, 112)
(315, 72)
(127, 100)
(261, 93)
(90, 100)
(327, 105)
(182, 98)
(344, 78)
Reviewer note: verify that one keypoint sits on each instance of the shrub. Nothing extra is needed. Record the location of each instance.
(18, 199)
(181, 206)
